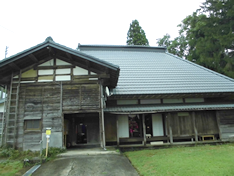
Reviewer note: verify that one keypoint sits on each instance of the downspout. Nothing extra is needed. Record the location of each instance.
(102, 116)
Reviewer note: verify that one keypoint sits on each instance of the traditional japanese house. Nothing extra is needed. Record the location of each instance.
(112, 95)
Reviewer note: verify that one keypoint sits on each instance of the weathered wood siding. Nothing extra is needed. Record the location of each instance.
(44, 102)
(81, 97)
(181, 125)
(226, 124)
(206, 122)
(110, 127)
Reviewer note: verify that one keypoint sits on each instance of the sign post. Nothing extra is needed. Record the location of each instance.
(48, 133)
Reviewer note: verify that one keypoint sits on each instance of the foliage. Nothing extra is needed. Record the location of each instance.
(175, 46)
(183, 161)
(11, 161)
(207, 37)
(136, 35)
(12, 154)
(52, 152)
(9, 168)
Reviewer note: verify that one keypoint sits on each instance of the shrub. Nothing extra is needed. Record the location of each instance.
(53, 151)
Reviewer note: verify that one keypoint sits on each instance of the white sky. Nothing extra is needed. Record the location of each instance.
(26, 23)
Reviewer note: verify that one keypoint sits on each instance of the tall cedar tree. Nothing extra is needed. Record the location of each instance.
(207, 37)
(136, 35)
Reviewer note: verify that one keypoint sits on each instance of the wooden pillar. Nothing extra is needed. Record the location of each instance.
(218, 123)
(170, 129)
(1, 95)
(144, 129)
(102, 119)
(194, 126)
(61, 113)
(3, 117)
(117, 125)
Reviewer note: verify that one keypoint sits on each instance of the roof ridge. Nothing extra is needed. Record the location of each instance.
(84, 54)
(50, 42)
(86, 47)
(201, 67)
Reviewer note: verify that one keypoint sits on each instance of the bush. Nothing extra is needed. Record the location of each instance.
(53, 151)
(17, 154)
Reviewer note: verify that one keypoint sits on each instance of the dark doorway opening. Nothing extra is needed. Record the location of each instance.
(81, 129)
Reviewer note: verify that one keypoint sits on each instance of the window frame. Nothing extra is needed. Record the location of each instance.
(32, 129)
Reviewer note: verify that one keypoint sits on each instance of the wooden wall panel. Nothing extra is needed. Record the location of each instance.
(226, 124)
(181, 125)
(44, 102)
(90, 96)
(206, 122)
(110, 127)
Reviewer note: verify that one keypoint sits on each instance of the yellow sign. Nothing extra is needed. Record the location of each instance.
(48, 132)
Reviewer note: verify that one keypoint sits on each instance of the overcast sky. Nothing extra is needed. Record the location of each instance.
(25, 23)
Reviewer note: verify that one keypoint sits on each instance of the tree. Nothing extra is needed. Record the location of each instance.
(175, 46)
(207, 37)
(136, 35)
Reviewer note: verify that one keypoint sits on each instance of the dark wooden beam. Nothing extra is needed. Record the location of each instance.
(14, 66)
(33, 58)
(78, 64)
(69, 56)
(51, 51)
(53, 67)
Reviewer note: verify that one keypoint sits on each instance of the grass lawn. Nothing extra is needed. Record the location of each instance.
(202, 160)
(9, 168)
(11, 161)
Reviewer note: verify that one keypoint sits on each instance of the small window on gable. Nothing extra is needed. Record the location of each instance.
(32, 124)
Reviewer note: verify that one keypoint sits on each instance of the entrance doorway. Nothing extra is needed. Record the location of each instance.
(81, 129)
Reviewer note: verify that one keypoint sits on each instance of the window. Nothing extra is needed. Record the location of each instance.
(32, 124)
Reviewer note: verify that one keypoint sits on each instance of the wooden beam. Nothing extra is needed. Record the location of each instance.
(79, 64)
(14, 66)
(194, 126)
(51, 51)
(218, 123)
(102, 118)
(144, 129)
(117, 135)
(69, 56)
(1, 95)
(53, 67)
(170, 130)
(33, 58)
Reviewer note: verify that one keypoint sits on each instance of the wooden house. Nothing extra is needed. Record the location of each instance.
(112, 95)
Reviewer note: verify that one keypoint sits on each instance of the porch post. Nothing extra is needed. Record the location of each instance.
(170, 130)
(194, 126)
(218, 123)
(1, 96)
(102, 119)
(117, 131)
(144, 130)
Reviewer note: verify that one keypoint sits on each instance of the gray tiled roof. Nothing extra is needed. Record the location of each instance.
(162, 108)
(147, 70)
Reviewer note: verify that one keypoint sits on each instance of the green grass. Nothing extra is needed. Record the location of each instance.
(11, 161)
(202, 160)
(9, 168)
